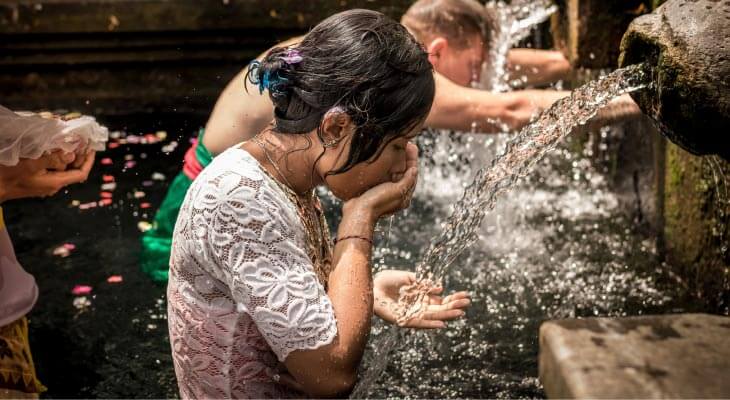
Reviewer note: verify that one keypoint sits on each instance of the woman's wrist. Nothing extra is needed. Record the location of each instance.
(353, 211)
(366, 239)
(357, 224)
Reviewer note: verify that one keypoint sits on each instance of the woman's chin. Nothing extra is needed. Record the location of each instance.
(347, 194)
(342, 195)
(350, 192)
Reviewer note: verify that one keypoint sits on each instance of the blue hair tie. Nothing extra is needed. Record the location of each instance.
(264, 83)
(269, 81)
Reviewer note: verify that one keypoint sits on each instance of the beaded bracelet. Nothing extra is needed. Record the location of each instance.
(337, 240)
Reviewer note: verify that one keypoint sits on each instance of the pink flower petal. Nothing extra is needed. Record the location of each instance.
(80, 290)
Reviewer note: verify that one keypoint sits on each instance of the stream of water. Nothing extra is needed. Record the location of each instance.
(520, 156)
(515, 21)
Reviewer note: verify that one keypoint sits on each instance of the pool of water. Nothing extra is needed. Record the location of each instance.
(116, 346)
(563, 243)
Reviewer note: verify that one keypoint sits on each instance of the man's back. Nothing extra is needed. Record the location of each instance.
(241, 111)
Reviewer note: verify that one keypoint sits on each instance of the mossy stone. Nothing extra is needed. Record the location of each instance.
(697, 223)
(688, 43)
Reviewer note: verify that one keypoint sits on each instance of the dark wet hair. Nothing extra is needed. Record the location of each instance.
(361, 61)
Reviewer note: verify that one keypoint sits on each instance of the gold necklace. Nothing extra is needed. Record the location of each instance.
(319, 248)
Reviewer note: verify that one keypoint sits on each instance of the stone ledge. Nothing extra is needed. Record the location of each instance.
(93, 16)
(144, 56)
(668, 356)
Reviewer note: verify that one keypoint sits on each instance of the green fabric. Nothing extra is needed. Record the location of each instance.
(201, 152)
(157, 242)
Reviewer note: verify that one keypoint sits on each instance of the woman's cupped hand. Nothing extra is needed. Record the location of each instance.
(390, 197)
(433, 308)
(44, 176)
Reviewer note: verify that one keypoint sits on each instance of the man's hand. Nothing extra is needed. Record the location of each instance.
(44, 176)
(434, 311)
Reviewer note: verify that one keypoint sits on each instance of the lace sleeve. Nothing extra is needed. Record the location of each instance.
(254, 237)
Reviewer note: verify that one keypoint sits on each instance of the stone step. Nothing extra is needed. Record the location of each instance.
(666, 356)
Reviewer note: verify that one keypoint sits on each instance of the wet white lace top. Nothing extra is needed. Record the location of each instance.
(242, 291)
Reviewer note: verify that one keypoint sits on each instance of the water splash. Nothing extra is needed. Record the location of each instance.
(520, 155)
(514, 22)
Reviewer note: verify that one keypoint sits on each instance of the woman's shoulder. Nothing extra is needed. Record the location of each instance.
(233, 169)
(236, 181)
(234, 161)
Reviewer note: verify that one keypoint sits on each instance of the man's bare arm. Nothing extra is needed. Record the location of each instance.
(466, 109)
(537, 67)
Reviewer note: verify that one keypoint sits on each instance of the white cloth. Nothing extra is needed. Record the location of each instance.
(28, 135)
(242, 291)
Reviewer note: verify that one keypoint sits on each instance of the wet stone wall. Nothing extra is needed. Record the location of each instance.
(696, 220)
(679, 196)
(121, 57)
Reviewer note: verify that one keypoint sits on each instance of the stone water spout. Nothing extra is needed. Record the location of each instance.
(688, 43)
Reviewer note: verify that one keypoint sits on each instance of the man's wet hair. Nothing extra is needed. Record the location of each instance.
(456, 20)
(359, 62)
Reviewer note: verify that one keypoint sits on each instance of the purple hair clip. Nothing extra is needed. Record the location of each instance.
(292, 56)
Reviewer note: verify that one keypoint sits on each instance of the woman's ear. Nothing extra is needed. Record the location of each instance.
(336, 125)
(436, 49)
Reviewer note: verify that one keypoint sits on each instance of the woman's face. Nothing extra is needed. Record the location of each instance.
(389, 166)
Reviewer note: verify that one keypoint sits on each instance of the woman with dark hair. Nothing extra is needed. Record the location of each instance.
(260, 302)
